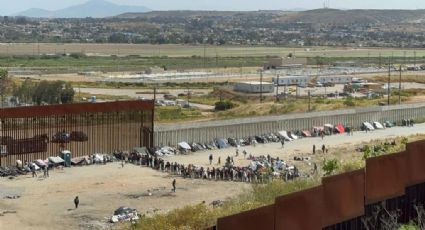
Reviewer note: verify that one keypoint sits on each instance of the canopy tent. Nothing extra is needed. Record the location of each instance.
(339, 128)
(378, 125)
(184, 145)
(284, 134)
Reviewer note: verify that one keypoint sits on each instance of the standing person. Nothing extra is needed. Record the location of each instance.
(314, 168)
(211, 158)
(45, 171)
(122, 163)
(322, 134)
(323, 148)
(76, 202)
(244, 153)
(282, 142)
(34, 173)
(314, 149)
(174, 185)
(219, 161)
(237, 152)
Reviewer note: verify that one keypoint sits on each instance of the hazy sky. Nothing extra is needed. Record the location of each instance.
(9, 7)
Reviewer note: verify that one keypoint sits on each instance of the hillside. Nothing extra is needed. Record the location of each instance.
(92, 8)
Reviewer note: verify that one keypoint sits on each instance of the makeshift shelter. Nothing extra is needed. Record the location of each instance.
(79, 160)
(378, 125)
(306, 133)
(368, 126)
(221, 143)
(293, 136)
(56, 160)
(140, 150)
(285, 136)
(40, 163)
(339, 128)
(184, 145)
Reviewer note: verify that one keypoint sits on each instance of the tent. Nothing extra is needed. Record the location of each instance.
(221, 143)
(340, 128)
(329, 126)
(184, 145)
(306, 133)
(284, 134)
(56, 160)
(293, 136)
(378, 125)
(368, 126)
(40, 163)
(140, 150)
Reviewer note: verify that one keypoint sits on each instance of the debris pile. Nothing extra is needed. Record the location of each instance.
(124, 214)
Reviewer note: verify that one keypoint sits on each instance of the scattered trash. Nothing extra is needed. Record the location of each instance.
(124, 214)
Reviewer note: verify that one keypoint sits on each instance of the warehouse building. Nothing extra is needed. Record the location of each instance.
(254, 87)
(291, 80)
(335, 79)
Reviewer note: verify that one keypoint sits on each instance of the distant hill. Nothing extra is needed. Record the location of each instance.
(345, 17)
(92, 8)
(318, 16)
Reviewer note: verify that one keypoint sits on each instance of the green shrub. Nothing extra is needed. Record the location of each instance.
(224, 105)
(330, 166)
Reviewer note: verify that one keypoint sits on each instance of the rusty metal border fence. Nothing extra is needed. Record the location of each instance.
(36, 132)
(349, 201)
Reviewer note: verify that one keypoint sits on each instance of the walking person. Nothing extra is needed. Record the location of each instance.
(174, 185)
(211, 158)
(323, 148)
(314, 149)
(76, 202)
(322, 134)
(45, 171)
(283, 143)
(244, 153)
(219, 161)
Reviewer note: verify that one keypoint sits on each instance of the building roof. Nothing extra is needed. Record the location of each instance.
(255, 83)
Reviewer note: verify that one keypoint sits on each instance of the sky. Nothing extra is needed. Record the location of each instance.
(9, 7)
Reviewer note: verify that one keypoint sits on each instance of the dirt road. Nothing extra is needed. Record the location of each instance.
(48, 203)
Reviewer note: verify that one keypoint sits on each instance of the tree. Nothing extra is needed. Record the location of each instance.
(6, 85)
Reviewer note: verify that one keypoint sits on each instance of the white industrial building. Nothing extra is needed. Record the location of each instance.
(254, 87)
(291, 80)
(335, 79)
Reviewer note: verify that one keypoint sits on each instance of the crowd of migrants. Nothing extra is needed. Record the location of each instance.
(260, 170)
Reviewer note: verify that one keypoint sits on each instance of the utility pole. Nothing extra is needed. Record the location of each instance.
(399, 88)
(277, 88)
(261, 86)
(309, 101)
(188, 97)
(414, 59)
(389, 80)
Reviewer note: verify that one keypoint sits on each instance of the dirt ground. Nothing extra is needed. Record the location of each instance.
(48, 203)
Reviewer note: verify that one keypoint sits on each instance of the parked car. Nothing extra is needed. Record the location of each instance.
(61, 137)
(78, 136)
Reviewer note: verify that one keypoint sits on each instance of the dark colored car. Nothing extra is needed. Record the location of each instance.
(61, 137)
(78, 136)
